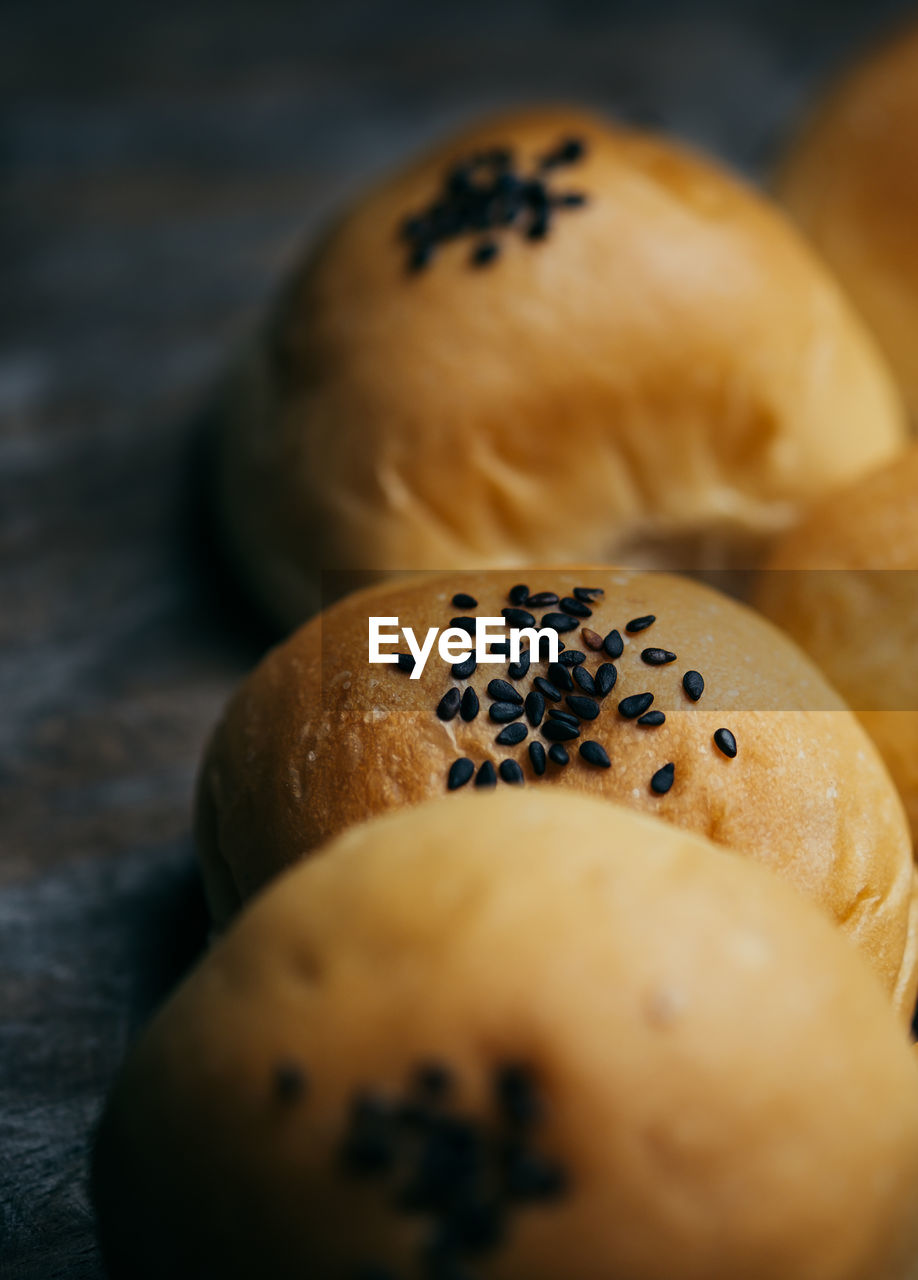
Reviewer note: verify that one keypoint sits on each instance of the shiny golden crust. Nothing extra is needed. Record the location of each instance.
(317, 740)
(665, 380)
(851, 182)
(725, 1089)
(859, 618)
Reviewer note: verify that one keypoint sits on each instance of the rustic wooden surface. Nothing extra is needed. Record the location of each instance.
(160, 166)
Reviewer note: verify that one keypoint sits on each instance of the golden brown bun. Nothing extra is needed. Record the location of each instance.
(317, 739)
(859, 618)
(664, 380)
(724, 1090)
(851, 181)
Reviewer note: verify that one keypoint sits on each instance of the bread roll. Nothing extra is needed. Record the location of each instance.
(844, 584)
(851, 182)
(318, 739)
(664, 377)
(523, 1037)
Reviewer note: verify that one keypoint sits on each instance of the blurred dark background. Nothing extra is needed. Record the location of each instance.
(160, 166)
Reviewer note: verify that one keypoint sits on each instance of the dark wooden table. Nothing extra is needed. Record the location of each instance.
(160, 166)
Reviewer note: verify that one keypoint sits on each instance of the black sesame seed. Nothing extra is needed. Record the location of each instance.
(503, 691)
(510, 771)
(613, 644)
(518, 617)
(463, 601)
(594, 753)
(504, 712)
(558, 755)
(433, 1080)
(369, 1108)
(547, 689)
(485, 252)
(589, 594)
(535, 194)
(559, 731)
(635, 705)
(606, 676)
(560, 677)
(518, 594)
(499, 646)
(567, 717)
(585, 708)
(448, 706)
(421, 255)
(517, 670)
(576, 607)
(538, 227)
(640, 624)
(652, 719)
(289, 1081)
(517, 1096)
(570, 151)
(541, 600)
(657, 657)
(592, 639)
(460, 771)
(462, 670)
(474, 1227)
(571, 199)
(724, 741)
(405, 662)
(571, 658)
(559, 621)
(513, 734)
(693, 684)
(535, 708)
(468, 707)
(586, 682)
(464, 624)
(529, 1176)
(368, 1148)
(537, 758)
(412, 227)
(447, 1166)
(662, 780)
(486, 776)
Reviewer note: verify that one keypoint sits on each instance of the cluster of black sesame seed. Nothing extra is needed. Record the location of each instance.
(465, 1175)
(569, 680)
(483, 194)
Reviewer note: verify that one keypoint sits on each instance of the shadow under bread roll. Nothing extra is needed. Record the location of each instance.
(549, 340)
(523, 1037)
(844, 586)
(692, 708)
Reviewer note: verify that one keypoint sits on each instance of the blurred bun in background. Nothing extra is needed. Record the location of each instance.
(550, 340)
(844, 585)
(851, 181)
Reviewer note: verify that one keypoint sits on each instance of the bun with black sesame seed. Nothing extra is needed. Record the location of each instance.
(844, 585)
(661, 376)
(766, 759)
(521, 1037)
